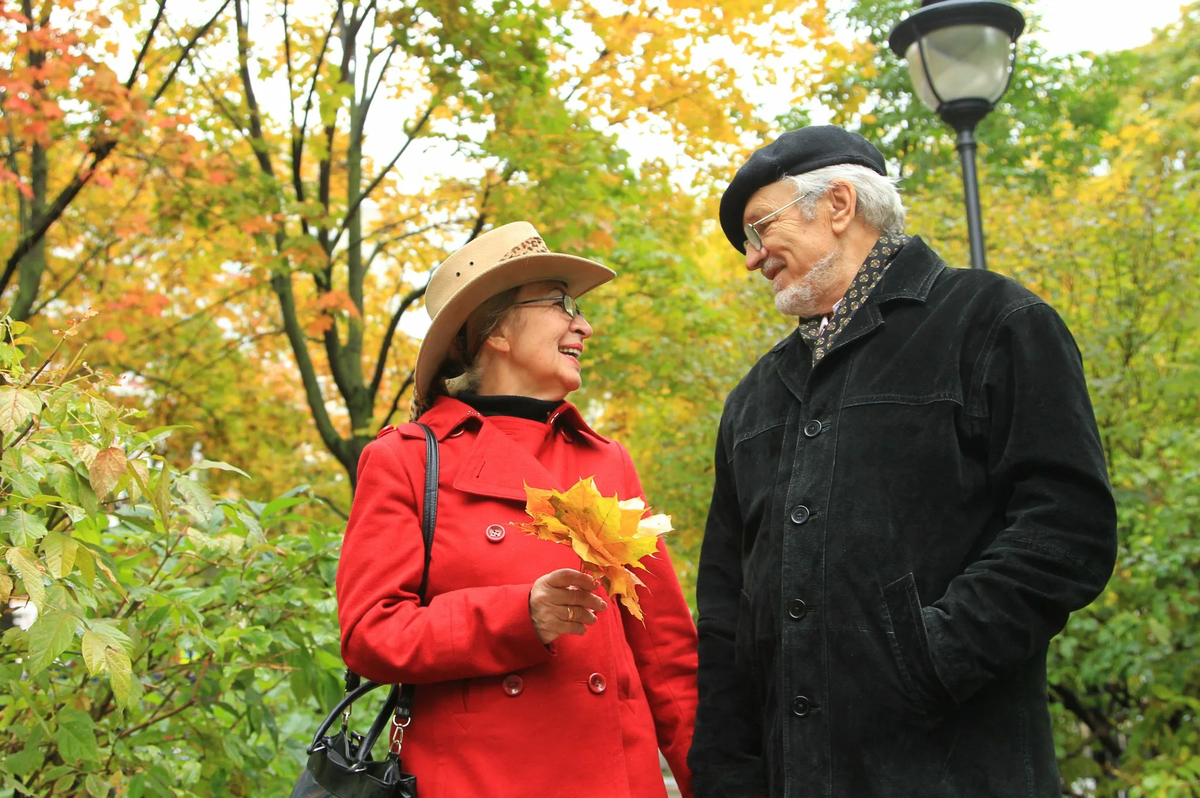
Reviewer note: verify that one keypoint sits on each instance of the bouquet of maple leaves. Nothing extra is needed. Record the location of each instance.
(610, 536)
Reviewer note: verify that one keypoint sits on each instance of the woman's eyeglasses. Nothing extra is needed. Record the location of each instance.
(567, 303)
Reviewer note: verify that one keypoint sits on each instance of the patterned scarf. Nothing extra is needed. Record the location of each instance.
(820, 337)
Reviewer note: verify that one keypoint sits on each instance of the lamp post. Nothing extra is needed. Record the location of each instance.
(960, 54)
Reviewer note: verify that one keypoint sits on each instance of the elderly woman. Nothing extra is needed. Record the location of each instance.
(530, 680)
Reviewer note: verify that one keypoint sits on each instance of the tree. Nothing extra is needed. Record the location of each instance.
(175, 647)
(505, 85)
(65, 114)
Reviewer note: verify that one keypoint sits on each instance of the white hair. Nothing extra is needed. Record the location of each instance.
(879, 202)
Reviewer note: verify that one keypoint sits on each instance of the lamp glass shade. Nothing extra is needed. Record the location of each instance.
(962, 62)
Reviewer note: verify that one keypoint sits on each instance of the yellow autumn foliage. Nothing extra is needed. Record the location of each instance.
(609, 535)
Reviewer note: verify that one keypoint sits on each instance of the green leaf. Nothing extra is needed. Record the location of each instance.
(95, 786)
(87, 566)
(29, 758)
(120, 672)
(6, 587)
(76, 736)
(94, 649)
(27, 566)
(215, 464)
(282, 503)
(109, 633)
(51, 634)
(63, 784)
(21, 527)
(197, 497)
(254, 530)
(17, 406)
(111, 576)
(104, 471)
(1160, 631)
(162, 497)
(60, 551)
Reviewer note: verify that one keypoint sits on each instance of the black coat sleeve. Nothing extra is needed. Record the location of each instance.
(726, 754)
(1058, 543)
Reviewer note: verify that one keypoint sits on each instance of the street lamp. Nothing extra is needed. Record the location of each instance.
(960, 54)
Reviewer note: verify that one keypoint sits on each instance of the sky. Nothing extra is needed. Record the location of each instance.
(1070, 26)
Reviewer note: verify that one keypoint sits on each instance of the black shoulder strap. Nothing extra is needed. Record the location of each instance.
(429, 514)
(403, 704)
(428, 524)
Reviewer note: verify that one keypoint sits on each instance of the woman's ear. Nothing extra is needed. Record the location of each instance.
(498, 341)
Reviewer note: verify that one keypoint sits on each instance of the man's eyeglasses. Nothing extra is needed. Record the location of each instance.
(567, 303)
(749, 228)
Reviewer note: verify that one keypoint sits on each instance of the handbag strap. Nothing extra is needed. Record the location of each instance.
(428, 524)
(398, 704)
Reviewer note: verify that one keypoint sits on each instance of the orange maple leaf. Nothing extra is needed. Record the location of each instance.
(609, 535)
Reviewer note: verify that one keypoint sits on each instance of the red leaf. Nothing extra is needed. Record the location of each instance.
(18, 104)
(106, 469)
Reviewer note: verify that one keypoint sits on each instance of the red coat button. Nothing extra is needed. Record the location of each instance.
(513, 684)
(495, 533)
(597, 683)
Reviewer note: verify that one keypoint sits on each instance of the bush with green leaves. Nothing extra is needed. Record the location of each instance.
(183, 642)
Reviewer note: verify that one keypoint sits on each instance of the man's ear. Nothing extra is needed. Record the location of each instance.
(843, 203)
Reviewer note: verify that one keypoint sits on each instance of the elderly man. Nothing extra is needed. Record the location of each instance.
(910, 499)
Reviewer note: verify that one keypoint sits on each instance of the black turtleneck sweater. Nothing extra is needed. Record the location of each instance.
(516, 406)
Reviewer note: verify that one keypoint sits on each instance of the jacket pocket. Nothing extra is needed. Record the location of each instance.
(910, 650)
(745, 646)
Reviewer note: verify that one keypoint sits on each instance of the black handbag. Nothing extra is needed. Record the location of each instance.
(340, 765)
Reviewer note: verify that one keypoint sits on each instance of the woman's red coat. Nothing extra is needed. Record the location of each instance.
(497, 713)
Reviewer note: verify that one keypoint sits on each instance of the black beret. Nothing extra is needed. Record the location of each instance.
(793, 153)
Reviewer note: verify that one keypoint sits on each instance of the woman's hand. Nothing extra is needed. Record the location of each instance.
(562, 603)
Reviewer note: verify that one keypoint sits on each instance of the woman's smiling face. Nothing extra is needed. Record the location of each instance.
(537, 348)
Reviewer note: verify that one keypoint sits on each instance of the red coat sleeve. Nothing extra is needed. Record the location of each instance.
(664, 649)
(386, 635)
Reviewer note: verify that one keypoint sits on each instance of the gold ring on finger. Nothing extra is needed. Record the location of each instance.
(570, 613)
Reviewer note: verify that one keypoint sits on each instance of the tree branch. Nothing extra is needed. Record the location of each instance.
(282, 285)
(137, 65)
(433, 104)
(381, 362)
(98, 151)
(298, 135)
(258, 142)
(1097, 724)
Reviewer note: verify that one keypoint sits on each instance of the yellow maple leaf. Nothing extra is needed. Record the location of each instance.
(608, 535)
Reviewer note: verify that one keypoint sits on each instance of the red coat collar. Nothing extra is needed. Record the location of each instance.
(493, 466)
(448, 415)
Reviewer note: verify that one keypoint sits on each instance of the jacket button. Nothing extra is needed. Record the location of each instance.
(513, 684)
(597, 683)
(812, 429)
(457, 432)
(801, 515)
(495, 533)
(797, 609)
(802, 705)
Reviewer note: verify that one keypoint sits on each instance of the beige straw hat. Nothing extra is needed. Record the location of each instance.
(503, 258)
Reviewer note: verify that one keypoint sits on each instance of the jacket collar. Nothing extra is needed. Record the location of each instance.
(910, 276)
(494, 466)
(448, 415)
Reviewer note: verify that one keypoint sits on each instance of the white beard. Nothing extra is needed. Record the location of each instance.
(803, 297)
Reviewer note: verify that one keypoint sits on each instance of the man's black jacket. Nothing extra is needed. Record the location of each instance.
(894, 537)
